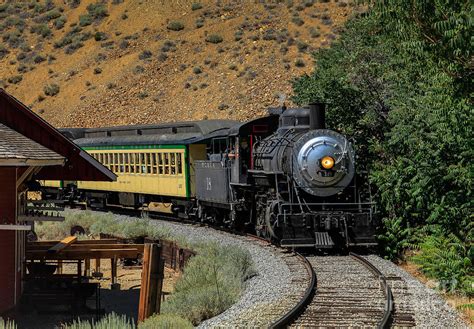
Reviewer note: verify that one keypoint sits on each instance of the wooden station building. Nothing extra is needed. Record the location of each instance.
(30, 150)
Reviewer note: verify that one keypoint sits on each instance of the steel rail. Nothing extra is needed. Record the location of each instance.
(290, 316)
(388, 311)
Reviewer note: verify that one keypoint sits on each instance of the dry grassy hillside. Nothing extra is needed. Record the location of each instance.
(87, 63)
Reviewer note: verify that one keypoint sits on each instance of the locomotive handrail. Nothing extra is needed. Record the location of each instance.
(384, 322)
(289, 317)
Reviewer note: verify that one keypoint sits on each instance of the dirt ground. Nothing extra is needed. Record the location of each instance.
(454, 300)
(123, 301)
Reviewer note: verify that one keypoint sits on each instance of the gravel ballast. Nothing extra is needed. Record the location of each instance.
(271, 284)
(429, 308)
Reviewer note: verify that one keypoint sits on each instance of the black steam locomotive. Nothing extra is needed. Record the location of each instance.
(290, 179)
(283, 176)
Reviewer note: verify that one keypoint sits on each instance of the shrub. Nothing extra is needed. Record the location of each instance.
(297, 21)
(199, 23)
(111, 85)
(124, 16)
(15, 21)
(196, 6)
(447, 259)
(85, 20)
(108, 44)
(60, 22)
(51, 90)
(52, 14)
(100, 36)
(302, 47)
(109, 321)
(168, 46)
(97, 70)
(162, 57)
(269, 34)
(73, 47)
(254, 37)
(145, 54)
(299, 63)
(15, 79)
(238, 35)
(124, 44)
(214, 38)
(138, 69)
(211, 282)
(13, 38)
(22, 68)
(100, 57)
(197, 70)
(74, 3)
(38, 59)
(165, 321)
(3, 51)
(175, 26)
(4, 7)
(7, 324)
(326, 19)
(41, 29)
(97, 10)
(143, 95)
(223, 106)
(314, 32)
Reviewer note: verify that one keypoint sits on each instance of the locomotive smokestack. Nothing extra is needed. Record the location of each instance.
(317, 116)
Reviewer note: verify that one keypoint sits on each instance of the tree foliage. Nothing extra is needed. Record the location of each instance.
(397, 82)
(444, 27)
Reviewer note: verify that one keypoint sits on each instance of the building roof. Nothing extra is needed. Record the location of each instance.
(18, 150)
(78, 166)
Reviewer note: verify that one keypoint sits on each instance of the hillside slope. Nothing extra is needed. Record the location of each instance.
(87, 64)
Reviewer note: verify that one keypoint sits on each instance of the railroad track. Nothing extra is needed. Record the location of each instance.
(351, 292)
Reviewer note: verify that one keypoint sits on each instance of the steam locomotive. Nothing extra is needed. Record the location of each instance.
(284, 176)
(291, 180)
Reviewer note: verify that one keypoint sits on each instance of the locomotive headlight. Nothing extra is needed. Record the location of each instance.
(327, 162)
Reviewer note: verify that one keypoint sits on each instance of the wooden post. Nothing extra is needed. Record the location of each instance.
(87, 267)
(144, 284)
(60, 266)
(113, 263)
(97, 265)
(152, 282)
(79, 270)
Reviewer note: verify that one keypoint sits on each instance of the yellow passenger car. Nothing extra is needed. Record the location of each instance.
(153, 163)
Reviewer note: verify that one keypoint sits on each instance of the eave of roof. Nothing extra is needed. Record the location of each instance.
(29, 163)
(79, 165)
(18, 150)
